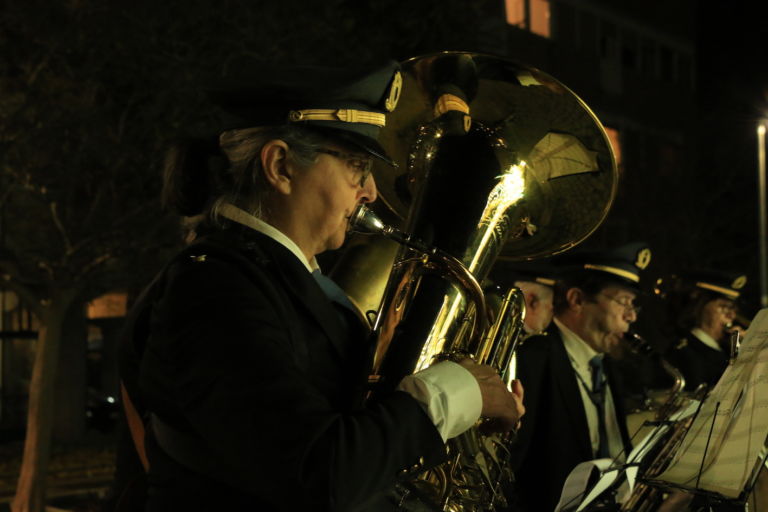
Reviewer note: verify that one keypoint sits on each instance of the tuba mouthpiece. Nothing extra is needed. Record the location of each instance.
(365, 222)
(639, 344)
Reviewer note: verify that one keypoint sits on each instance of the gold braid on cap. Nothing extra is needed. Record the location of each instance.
(719, 289)
(346, 115)
(616, 271)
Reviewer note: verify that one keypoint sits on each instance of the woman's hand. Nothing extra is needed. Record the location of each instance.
(502, 407)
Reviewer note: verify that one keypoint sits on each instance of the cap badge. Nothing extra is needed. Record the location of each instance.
(394, 92)
(643, 258)
(739, 282)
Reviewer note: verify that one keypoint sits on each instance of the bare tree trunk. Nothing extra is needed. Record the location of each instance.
(30, 490)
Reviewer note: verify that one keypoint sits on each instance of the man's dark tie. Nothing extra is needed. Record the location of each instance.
(598, 398)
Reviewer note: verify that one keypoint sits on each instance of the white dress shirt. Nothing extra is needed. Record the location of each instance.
(580, 354)
(706, 339)
(447, 391)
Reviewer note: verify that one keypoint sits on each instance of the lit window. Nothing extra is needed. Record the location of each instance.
(615, 139)
(531, 15)
(108, 306)
(540, 17)
(516, 12)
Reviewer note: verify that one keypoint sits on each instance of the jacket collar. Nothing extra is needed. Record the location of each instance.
(239, 216)
(568, 386)
(293, 275)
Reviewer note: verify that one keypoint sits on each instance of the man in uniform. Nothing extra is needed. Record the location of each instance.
(574, 412)
(536, 280)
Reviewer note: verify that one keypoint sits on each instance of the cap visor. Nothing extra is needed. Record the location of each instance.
(367, 144)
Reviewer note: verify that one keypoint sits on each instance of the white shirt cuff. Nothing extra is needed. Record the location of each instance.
(449, 394)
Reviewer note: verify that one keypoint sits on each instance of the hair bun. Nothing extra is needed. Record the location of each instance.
(187, 175)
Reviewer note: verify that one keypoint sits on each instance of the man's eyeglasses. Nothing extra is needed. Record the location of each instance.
(626, 302)
(726, 307)
(357, 163)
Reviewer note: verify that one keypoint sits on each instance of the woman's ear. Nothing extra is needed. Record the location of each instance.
(274, 162)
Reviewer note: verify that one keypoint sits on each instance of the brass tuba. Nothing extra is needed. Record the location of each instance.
(496, 160)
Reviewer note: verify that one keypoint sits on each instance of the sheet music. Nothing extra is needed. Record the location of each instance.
(649, 442)
(576, 495)
(736, 415)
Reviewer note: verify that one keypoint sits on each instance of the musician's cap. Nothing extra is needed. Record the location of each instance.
(622, 264)
(533, 272)
(345, 104)
(724, 283)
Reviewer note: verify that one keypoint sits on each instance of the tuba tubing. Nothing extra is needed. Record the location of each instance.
(365, 221)
(499, 161)
(646, 497)
(493, 346)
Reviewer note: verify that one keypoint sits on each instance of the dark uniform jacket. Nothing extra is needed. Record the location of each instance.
(699, 363)
(253, 377)
(554, 435)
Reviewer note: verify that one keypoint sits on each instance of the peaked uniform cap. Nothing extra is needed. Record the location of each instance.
(540, 272)
(725, 283)
(349, 105)
(623, 264)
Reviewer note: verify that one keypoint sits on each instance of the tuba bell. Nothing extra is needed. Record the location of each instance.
(497, 160)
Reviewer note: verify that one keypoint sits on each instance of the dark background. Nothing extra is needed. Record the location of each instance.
(92, 92)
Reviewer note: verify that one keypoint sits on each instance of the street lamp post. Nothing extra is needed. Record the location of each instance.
(763, 232)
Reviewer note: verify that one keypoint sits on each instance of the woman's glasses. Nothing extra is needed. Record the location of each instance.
(357, 163)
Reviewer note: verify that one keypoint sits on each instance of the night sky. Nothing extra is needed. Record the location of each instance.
(733, 96)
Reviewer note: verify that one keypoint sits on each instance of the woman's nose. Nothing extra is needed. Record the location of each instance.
(369, 193)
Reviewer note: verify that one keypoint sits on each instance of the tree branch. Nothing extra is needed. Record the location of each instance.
(115, 225)
(37, 69)
(88, 267)
(60, 227)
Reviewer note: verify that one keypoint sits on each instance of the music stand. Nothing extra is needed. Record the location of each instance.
(722, 453)
(594, 485)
